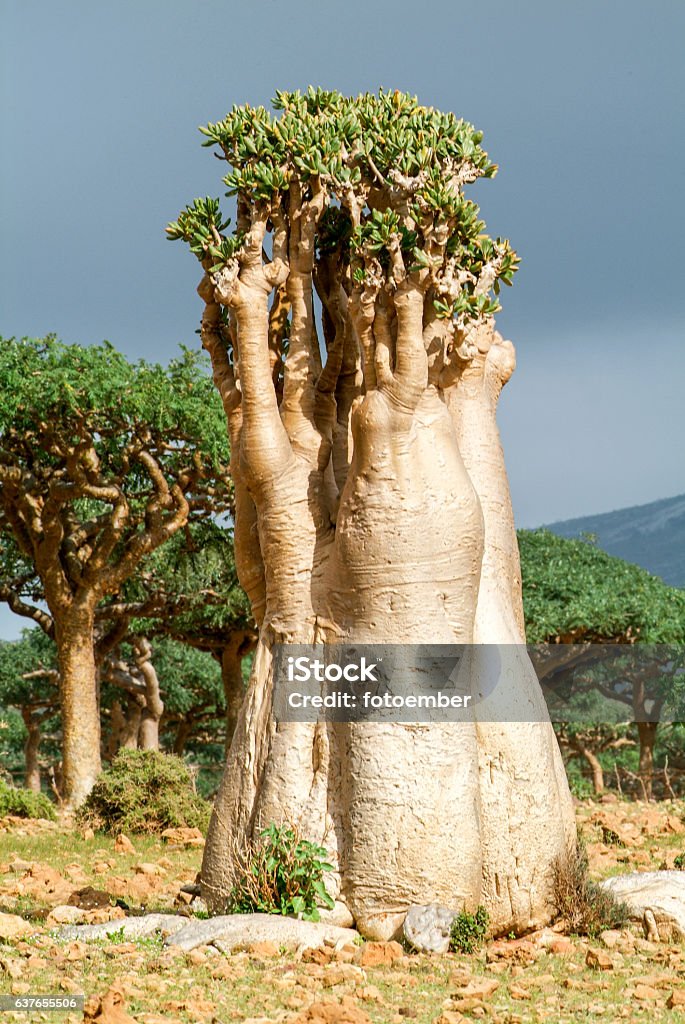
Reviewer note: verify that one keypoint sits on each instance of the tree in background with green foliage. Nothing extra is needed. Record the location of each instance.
(101, 462)
(29, 685)
(576, 595)
(189, 591)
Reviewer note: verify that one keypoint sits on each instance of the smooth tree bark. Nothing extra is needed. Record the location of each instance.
(372, 503)
(140, 726)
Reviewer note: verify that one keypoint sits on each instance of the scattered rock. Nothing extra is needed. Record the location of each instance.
(154, 870)
(122, 844)
(261, 949)
(645, 993)
(656, 898)
(520, 951)
(518, 992)
(477, 988)
(611, 938)
(107, 1009)
(12, 967)
(338, 974)
(65, 914)
(377, 954)
(427, 928)
(338, 915)
(676, 998)
(345, 1012)
(598, 960)
(20, 867)
(183, 836)
(14, 927)
(87, 834)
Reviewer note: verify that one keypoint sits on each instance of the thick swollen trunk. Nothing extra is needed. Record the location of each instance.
(79, 705)
(647, 736)
(527, 815)
(417, 547)
(31, 748)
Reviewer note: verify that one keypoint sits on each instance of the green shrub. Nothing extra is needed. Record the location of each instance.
(468, 931)
(679, 862)
(280, 874)
(586, 906)
(24, 804)
(144, 791)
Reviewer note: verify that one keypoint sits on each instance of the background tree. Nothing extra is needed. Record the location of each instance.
(371, 500)
(577, 596)
(189, 591)
(29, 683)
(101, 462)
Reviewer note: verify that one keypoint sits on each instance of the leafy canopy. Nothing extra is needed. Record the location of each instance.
(577, 592)
(393, 172)
(94, 390)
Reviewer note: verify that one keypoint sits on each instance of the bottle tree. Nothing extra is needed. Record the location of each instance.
(371, 498)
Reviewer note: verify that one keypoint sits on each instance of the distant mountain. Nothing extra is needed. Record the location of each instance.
(652, 536)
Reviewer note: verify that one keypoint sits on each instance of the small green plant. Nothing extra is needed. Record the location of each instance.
(611, 838)
(679, 862)
(23, 803)
(468, 931)
(280, 874)
(145, 791)
(586, 906)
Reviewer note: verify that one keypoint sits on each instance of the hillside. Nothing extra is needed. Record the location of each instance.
(652, 535)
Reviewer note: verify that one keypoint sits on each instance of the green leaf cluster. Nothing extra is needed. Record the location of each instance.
(284, 875)
(23, 803)
(574, 590)
(385, 151)
(468, 931)
(144, 791)
(95, 392)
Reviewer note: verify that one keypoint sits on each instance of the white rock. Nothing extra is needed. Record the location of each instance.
(656, 898)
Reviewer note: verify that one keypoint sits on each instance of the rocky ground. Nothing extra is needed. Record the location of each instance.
(53, 876)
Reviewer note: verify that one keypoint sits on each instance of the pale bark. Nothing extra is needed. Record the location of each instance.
(382, 517)
(79, 703)
(148, 738)
(526, 810)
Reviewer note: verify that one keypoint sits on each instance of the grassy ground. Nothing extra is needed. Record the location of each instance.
(159, 984)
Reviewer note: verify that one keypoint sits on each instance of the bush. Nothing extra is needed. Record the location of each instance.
(24, 804)
(468, 931)
(280, 874)
(588, 908)
(144, 791)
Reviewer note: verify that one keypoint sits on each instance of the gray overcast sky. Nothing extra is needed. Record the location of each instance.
(581, 105)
